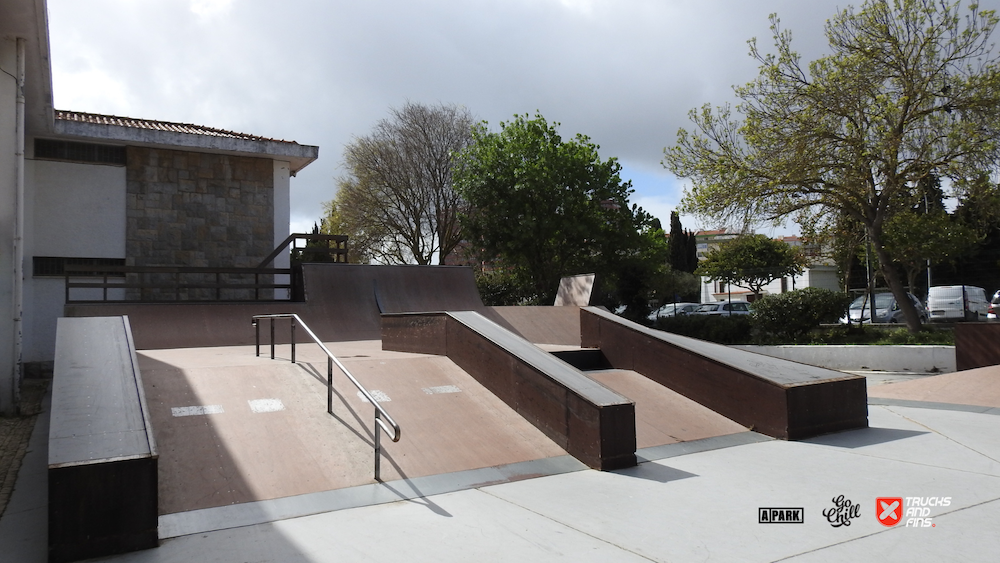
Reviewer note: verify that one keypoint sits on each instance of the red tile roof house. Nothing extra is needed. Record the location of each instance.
(80, 188)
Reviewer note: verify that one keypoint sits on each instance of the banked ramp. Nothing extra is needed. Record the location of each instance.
(343, 302)
(777, 397)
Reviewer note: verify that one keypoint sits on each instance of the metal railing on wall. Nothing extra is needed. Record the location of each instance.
(319, 248)
(383, 421)
(153, 284)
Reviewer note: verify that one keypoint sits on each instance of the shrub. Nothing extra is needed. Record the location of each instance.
(791, 315)
(502, 286)
(722, 329)
(881, 335)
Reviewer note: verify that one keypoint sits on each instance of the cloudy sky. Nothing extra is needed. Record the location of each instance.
(319, 72)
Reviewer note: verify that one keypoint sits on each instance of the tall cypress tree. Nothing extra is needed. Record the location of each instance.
(683, 246)
(677, 244)
(691, 258)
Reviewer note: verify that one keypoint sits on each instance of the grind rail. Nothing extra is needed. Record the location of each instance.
(381, 416)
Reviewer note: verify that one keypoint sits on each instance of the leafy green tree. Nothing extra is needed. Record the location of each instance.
(751, 261)
(911, 89)
(547, 207)
(913, 237)
(396, 201)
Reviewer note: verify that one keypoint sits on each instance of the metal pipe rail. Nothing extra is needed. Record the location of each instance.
(381, 416)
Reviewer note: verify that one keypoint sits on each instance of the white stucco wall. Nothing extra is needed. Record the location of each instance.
(8, 192)
(282, 224)
(72, 210)
(78, 210)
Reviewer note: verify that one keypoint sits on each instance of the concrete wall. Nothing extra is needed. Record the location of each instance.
(917, 359)
(8, 192)
(72, 210)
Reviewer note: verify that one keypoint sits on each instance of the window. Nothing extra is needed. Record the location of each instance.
(79, 152)
(50, 266)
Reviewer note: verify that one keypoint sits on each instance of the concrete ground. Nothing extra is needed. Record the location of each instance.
(692, 500)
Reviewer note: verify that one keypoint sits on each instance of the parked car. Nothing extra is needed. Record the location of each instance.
(994, 307)
(673, 310)
(886, 309)
(957, 303)
(723, 308)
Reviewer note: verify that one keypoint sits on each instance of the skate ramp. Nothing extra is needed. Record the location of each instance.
(975, 387)
(343, 302)
(544, 325)
(780, 398)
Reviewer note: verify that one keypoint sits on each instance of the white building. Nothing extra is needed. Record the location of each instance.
(78, 188)
(821, 272)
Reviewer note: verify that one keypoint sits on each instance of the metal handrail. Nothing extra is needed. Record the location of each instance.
(392, 429)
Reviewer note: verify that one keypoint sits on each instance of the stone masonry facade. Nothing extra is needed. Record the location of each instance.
(196, 209)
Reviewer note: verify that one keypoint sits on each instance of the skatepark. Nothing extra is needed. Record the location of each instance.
(537, 433)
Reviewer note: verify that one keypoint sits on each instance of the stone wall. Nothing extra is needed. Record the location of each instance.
(196, 209)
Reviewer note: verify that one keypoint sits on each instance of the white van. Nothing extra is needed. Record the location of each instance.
(957, 303)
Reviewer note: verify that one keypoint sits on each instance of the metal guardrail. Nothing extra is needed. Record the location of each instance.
(381, 416)
(174, 283)
(336, 253)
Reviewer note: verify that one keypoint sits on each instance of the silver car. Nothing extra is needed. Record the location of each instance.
(886, 310)
(673, 310)
(723, 308)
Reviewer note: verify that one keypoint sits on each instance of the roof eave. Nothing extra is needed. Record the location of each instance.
(298, 156)
(27, 19)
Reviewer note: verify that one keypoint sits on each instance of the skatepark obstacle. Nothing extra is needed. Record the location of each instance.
(780, 398)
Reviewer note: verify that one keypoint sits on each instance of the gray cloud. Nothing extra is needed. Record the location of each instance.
(624, 72)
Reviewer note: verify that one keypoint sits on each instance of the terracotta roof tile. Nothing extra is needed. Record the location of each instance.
(150, 124)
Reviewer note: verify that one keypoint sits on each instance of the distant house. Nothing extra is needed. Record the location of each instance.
(85, 189)
(822, 272)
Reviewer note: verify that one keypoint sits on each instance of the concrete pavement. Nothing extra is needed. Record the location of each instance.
(692, 501)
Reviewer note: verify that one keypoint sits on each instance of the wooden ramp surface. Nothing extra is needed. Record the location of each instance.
(544, 325)
(663, 416)
(980, 387)
(231, 454)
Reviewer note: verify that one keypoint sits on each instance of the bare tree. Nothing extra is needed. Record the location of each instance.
(396, 200)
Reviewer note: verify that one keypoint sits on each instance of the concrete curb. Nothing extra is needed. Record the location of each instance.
(920, 359)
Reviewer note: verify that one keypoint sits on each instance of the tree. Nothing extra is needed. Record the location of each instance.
(911, 89)
(363, 241)
(914, 237)
(397, 200)
(548, 208)
(751, 261)
(683, 246)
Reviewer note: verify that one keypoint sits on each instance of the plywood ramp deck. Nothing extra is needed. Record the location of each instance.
(663, 416)
(219, 451)
(980, 387)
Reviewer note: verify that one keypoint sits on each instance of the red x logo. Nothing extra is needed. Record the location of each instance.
(889, 510)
